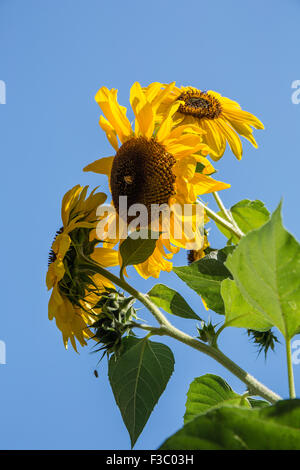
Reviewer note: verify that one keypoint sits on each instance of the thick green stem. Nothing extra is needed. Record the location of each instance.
(290, 368)
(166, 328)
(254, 386)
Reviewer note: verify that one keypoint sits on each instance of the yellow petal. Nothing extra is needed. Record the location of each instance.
(203, 184)
(110, 132)
(61, 245)
(68, 202)
(167, 123)
(244, 130)
(105, 256)
(143, 110)
(244, 116)
(55, 273)
(214, 138)
(208, 167)
(184, 145)
(101, 166)
(185, 168)
(107, 100)
(54, 302)
(232, 138)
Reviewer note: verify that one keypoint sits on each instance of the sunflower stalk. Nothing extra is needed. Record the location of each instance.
(166, 328)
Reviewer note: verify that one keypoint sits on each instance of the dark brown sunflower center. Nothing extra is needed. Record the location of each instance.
(142, 171)
(199, 104)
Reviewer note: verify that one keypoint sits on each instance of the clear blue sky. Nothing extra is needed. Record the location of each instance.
(55, 55)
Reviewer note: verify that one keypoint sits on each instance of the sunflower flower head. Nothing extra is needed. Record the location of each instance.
(218, 119)
(154, 163)
(75, 286)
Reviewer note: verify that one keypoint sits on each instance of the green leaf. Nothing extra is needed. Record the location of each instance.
(210, 391)
(266, 269)
(234, 428)
(171, 301)
(249, 215)
(138, 378)
(258, 403)
(136, 251)
(239, 313)
(205, 277)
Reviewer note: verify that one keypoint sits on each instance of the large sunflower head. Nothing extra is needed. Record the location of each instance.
(221, 119)
(75, 290)
(154, 163)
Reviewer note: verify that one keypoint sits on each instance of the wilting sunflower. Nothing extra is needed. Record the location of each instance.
(73, 291)
(155, 164)
(220, 118)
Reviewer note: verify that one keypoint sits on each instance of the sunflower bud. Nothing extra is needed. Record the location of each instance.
(207, 333)
(113, 321)
(263, 339)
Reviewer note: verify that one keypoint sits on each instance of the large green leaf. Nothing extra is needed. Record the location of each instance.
(205, 277)
(249, 215)
(266, 270)
(210, 391)
(138, 378)
(171, 301)
(239, 312)
(274, 427)
(136, 251)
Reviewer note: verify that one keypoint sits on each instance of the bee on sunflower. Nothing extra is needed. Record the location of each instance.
(218, 119)
(74, 290)
(154, 164)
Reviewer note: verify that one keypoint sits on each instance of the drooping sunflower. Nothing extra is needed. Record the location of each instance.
(153, 164)
(221, 119)
(72, 294)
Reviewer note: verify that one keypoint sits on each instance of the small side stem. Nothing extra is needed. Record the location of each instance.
(225, 223)
(222, 207)
(254, 386)
(290, 369)
(227, 213)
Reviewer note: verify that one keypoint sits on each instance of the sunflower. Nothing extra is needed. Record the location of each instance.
(153, 164)
(73, 294)
(221, 119)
